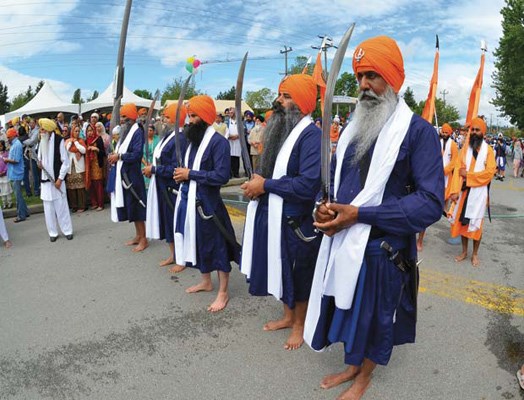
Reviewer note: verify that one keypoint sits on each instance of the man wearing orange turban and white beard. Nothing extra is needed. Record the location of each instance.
(275, 260)
(472, 197)
(199, 242)
(389, 184)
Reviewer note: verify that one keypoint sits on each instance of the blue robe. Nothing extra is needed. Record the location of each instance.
(164, 179)
(383, 314)
(132, 165)
(213, 251)
(298, 188)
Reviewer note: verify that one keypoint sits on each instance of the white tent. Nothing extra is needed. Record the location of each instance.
(106, 100)
(45, 101)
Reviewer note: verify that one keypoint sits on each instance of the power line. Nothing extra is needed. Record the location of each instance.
(285, 51)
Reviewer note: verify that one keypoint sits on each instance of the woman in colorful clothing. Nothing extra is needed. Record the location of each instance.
(75, 179)
(95, 169)
(152, 141)
(5, 187)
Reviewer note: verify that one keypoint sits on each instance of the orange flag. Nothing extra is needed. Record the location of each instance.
(429, 108)
(319, 80)
(474, 97)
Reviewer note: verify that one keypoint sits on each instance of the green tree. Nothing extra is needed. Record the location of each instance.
(227, 95)
(261, 100)
(409, 98)
(298, 66)
(172, 90)
(346, 85)
(5, 105)
(146, 94)
(446, 112)
(77, 97)
(93, 96)
(508, 78)
(23, 98)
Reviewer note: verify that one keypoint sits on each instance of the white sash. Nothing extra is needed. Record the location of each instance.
(340, 257)
(152, 213)
(185, 244)
(275, 205)
(446, 157)
(117, 197)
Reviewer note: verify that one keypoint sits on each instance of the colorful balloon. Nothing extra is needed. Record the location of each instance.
(190, 60)
(189, 68)
(196, 63)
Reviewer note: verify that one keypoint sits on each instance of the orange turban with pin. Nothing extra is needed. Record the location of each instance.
(204, 107)
(170, 113)
(129, 111)
(446, 128)
(303, 91)
(479, 123)
(381, 55)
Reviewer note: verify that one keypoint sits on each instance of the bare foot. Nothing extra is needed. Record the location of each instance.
(357, 389)
(333, 380)
(8, 244)
(80, 210)
(133, 242)
(475, 260)
(279, 324)
(176, 269)
(296, 338)
(201, 287)
(166, 262)
(461, 257)
(220, 302)
(141, 246)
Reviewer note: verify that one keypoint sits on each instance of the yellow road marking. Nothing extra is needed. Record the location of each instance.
(511, 186)
(502, 299)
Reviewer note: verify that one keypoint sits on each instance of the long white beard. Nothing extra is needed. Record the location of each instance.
(369, 118)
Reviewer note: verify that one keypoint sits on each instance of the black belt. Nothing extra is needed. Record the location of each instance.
(45, 180)
(376, 233)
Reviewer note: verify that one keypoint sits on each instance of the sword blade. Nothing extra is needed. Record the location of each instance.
(178, 150)
(148, 120)
(325, 154)
(238, 112)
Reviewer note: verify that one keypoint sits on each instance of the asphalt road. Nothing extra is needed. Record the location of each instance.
(89, 319)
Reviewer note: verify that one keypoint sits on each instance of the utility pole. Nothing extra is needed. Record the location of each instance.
(327, 43)
(444, 93)
(285, 51)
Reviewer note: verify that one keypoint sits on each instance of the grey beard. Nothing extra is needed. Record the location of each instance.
(278, 128)
(370, 117)
(125, 128)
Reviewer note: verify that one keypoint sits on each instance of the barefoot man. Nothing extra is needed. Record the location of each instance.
(450, 157)
(389, 184)
(126, 183)
(275, 260)
(472, 198)
(199, 242)
(160, 198)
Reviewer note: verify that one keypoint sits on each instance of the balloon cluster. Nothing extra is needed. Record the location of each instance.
(192, 64)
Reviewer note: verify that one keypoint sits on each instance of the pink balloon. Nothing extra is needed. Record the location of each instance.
(196, 63)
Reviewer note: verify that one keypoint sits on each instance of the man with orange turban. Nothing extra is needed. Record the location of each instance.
(388, 183)
(450, 155)
(204, 243)
(470, 190)
(276, 260)
(126, 183)
(160, 197)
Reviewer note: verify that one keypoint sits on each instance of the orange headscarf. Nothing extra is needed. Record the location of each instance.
(382, 55)
(479, 123)
(142, 111)
(170, 113)
(11, 133)
(129, 111)
(446, 128)
(204, 107)
(303, 91)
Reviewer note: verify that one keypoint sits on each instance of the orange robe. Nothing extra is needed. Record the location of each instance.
(473, 179)
(448, 169)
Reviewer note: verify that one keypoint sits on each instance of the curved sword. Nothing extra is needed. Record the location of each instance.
(148, 121)
(240, 125)
(178, 150)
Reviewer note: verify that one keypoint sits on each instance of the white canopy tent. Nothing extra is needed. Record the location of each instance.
(105, 100)
(45, 101)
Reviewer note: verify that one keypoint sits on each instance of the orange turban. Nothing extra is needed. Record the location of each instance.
(303, 91)
(142, 111)
(268, 114)
(129, 111)
(170, 113)
(446, 128)
(204, 107)
(479, 123)
(11, 133)
(382, 55)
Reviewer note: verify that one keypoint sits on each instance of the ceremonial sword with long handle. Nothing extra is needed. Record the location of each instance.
(34, 157)
(325, 154)
(148, 121)
(240, 126)
(178, 150)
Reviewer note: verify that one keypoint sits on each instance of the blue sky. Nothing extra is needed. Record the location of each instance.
(74, 43)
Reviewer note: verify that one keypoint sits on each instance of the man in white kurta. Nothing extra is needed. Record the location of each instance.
(53, 159)
(232, 135)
